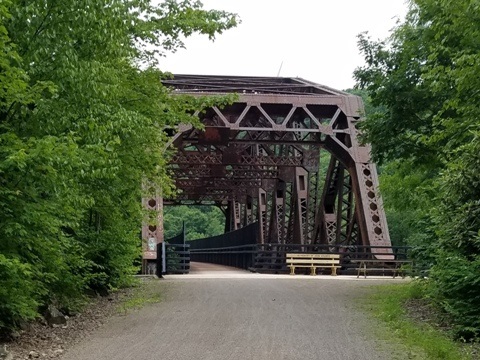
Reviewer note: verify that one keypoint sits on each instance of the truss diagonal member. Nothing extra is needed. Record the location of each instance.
(324, 128)
(335, 118)
(242, 115)
(289, 115)
(221, 116)
(270, 120)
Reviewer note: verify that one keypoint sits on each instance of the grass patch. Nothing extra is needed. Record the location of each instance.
(420, 340)
(143, 293)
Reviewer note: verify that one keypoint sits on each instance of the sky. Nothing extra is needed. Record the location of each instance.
(312, 39)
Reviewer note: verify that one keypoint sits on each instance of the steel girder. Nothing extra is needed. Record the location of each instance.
(260, 159)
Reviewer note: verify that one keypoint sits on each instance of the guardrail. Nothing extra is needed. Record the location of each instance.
(177, 258)
(271, 258)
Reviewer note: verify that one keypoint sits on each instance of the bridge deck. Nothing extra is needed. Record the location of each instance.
(201, 268)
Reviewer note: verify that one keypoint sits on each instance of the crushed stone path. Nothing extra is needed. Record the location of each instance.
(217, 313)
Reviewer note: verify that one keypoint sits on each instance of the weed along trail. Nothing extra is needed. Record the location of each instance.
(221, 315)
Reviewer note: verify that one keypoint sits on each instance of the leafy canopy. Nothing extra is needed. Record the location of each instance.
(84, 122)
(424, 82)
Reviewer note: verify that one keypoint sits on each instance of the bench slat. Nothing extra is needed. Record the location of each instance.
(313, 256)
(314, 261)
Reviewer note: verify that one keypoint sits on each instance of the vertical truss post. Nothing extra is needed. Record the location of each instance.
(248, 217)
(313, 168)
(242, 210)
(277, 220)
(290, 210)
(152, 231)
(312, 205)
(348, 206)
(339, 199)
(301, 209)
(237, 221)
(262, 214)
(227, 211)
(330, 228)
(232, 215)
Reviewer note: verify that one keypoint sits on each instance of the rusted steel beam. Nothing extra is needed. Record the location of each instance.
(229, 158)
(234, 173)
(218, 183)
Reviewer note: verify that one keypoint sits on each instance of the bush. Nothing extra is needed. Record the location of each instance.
(455, 287)
(19, 293)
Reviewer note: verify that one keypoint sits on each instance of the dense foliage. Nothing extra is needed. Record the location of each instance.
(83, 124)
(424, 82)
(200, 221)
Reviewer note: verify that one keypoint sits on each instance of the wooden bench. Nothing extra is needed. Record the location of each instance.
(313, 261)
(380, 265)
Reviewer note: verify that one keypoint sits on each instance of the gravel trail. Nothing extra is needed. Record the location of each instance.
(216, 315)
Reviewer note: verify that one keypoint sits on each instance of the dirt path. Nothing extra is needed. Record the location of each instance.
(241, 316)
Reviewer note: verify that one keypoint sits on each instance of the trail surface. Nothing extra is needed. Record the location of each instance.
(216, 314)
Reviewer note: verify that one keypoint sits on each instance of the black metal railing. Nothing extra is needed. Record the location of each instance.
(236, 249)
(240, 249)
(176, 255)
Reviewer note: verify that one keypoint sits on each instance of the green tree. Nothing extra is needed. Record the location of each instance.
(83, 124)
(426, 79)
(200, 221)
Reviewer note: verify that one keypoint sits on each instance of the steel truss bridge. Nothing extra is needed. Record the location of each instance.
(285, 154)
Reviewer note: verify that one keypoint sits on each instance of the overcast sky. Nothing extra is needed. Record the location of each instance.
(315, 39)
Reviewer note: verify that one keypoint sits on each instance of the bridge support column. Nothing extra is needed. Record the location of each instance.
(232, 216)
(248, 217)
(237, 221)
(300, 196)
(152, 233)
(277, 218)
(262, 215)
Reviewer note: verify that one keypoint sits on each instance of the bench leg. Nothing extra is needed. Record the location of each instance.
(292, 270)
(334, 271)
(313, 271)
(399, 271)
(362, 267)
